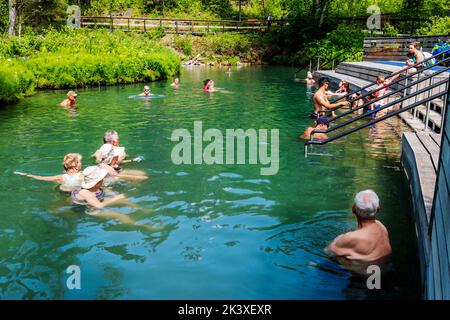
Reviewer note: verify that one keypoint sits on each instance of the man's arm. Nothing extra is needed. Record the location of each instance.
(342, 246)
(330, 106)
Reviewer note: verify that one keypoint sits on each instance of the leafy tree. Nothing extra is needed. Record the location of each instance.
(35, 13)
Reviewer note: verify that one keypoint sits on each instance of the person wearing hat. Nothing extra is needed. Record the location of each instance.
(70, 101)
(92, 195)
(320, 123)
(370, 241)
(91, 192)
(146, 92)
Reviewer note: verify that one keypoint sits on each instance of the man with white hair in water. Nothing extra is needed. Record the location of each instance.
(370, 241)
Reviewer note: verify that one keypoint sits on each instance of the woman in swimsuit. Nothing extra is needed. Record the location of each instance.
(91, 195)
(72, 177)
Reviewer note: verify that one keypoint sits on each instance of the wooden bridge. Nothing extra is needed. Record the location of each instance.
(179, 26)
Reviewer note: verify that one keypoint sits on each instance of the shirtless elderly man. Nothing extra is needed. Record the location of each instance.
(370, 241)
(321, 102)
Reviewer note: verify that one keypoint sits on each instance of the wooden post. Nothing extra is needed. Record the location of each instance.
(128, 21)
(176, 27)
(192, 27)
(223, 26)
(145, 28)
(207, 27)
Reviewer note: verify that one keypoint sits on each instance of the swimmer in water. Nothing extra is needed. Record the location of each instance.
(146, 92)
(320, 123)
(309, 79)
(70, 101)
(320, 100)
(72, 177)
(175, 83)
(91, 195)
(111, 156)
(370, 240)
(208, 86)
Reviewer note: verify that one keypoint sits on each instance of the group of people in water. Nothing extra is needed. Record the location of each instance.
(322, 108)
(370, 241)
(92, 186)
(89, 186)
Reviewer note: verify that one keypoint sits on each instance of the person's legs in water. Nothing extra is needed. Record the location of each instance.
(133, 174)
(122, 218)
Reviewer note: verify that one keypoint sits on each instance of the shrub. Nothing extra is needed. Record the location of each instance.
(436, 26)
(74, 58)
(15, 81)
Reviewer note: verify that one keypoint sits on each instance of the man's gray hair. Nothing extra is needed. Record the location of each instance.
(367, 204)
(110, 136)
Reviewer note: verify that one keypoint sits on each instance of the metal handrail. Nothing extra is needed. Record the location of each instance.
(391, 92)
(391, 114)
(390, 76)
(388, 105)
(327, 61)
(335, 57)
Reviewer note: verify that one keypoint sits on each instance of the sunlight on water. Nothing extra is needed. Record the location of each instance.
(224, 231)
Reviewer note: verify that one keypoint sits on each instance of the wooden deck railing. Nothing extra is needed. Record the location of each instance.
(396, 48)
(178, 26)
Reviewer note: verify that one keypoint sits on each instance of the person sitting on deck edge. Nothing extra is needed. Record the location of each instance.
(321, 102)
(370, 241)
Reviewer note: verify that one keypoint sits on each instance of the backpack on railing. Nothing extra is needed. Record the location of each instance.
(430, 62)
(440, 47)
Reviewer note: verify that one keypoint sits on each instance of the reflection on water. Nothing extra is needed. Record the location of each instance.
(226, 230)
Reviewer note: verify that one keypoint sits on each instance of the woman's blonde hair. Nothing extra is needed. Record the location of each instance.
(71, 161)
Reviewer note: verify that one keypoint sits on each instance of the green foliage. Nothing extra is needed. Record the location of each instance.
(390, 31)
(15, 81)
(184, 44)
(346, 41)
(3, 15)
(74, 58)
(436, 26)
(218, 48)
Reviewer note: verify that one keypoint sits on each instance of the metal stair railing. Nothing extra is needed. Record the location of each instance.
(409, 76)
(389, 115)
(321, 65)
(393, 82)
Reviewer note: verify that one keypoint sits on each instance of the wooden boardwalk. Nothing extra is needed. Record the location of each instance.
(420, 155)
(179, 26)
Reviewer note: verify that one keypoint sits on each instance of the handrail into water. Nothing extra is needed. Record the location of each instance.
(317, 55)
(388, 105)
(390, 76)
(389, 115)
(393, 91)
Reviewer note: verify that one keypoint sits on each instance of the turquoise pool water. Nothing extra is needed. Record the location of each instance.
(227, 231)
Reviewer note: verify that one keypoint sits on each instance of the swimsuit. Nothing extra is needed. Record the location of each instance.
(378, 106)
(72, 180)
(99, 195)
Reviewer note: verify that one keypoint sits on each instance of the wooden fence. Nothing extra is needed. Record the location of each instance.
(179, 26)
(396, 48)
